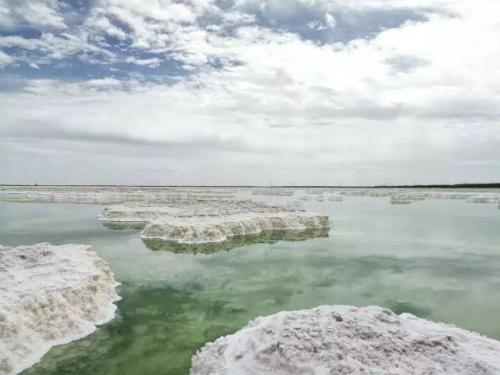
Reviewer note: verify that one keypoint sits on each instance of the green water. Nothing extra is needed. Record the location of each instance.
(435, 259)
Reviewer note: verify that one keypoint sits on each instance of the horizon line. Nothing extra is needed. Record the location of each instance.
(457, 185)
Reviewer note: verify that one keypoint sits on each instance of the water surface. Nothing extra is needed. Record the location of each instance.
(437, 259)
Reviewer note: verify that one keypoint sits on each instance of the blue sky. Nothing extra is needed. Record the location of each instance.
(249, 91)
(99, 39)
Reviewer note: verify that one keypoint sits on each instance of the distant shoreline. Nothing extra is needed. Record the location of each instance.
(435, 186)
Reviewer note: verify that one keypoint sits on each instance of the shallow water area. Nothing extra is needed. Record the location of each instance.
(437, 259)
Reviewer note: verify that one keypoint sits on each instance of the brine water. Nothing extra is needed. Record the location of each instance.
(437, 259)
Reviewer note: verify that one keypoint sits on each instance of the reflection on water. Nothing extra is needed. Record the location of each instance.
(400, 307)
(435, 259)
(124, 225)
(268, 236)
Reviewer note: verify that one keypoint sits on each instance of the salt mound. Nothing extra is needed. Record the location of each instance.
(348, 340)
(197, 230)
(50, 295)
(207, 222)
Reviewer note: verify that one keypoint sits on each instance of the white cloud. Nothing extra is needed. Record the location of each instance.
(5, 59)
(414, 94)
(33, 13)
(152, 62)
(55, 47)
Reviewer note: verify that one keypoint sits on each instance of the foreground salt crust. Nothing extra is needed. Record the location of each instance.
(50, 295)
(195, 230)
(348, 340)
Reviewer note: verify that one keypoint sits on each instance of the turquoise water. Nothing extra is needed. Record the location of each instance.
(437, 259)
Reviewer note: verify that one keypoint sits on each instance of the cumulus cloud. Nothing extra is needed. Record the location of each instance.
(246, 90)
(5, 59)
(33, 13)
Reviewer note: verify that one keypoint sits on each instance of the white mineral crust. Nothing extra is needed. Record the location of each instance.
(50, 295)
(348, 340)
(197, 230)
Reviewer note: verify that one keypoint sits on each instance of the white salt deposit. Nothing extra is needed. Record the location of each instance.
(107, 194)
(274, 192)
(196, 230)
(50, 295)
(401, 200)
(335, 198)
(485, 199)
(268, 236)
(199, 222)
(135, 214)
(348, 340)
(174, 195)
(185, 208)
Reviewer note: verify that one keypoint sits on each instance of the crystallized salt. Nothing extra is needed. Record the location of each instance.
(348, 340)
(200, 222)
(197, 230)
(50, 295)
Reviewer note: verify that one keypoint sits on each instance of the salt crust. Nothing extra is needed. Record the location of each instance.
(50, 295)
(107, 194)
(209, 221)
(348, 340)
(196, 230)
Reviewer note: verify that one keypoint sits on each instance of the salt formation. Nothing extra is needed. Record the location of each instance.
(401, 200)
(134, 216)
(274, 192)
(144, 213)
(348, 340)
(485, 199)
(267, 236)
(475, 195)
(196, 230)
(107, 194)
(50, 295)
(200, 222)
(335, 198)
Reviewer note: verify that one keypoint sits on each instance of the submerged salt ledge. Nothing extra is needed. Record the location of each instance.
(348, 340)
(50, 295)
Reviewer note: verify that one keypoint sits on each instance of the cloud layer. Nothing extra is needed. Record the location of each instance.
(250, 92)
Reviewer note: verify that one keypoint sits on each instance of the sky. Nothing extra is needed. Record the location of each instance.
(249, 92)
